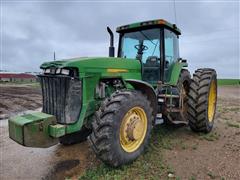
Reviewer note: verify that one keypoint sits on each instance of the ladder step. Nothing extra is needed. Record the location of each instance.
(158, 121)
(173, 110)
(179, 122)
(161, 100)
(159, 115)
(171, 106)
(168, 96)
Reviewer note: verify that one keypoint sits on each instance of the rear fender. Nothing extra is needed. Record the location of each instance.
(175, 72)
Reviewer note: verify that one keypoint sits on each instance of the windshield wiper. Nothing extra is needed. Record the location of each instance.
(147, 38)
(154, 48)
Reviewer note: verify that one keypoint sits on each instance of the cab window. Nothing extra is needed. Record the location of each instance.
(171, 51)
(143, 46)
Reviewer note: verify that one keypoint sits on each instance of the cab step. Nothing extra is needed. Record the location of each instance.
(173, 110)
(168, 96)
(158, 119)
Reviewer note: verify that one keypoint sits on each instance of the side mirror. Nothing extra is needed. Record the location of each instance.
(182, 60)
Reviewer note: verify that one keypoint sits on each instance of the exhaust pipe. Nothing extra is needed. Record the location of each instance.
(111, 47)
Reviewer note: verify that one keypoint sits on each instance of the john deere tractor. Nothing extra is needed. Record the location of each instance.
(114, 101)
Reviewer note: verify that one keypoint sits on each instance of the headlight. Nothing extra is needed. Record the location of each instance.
(58, 71)
(53, 70)
(47, 71)
(65, 71)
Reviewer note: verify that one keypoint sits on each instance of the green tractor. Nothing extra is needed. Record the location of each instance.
(114, 101)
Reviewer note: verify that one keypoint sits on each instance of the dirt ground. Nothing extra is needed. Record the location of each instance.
(194, 156)
(213, 156)
(18, 162)
(15, 99)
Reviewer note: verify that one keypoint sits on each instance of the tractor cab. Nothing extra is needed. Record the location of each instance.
(154, 44)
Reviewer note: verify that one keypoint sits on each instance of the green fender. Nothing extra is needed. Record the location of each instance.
(175, 72)
(146, 89)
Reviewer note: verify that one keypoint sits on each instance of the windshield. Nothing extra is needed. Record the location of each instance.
(141, 44)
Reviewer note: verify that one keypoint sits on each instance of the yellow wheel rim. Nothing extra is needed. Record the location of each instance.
(133, 129)
(212, 97)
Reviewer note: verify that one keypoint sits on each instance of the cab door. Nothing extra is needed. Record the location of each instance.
(171, 52)
(151, 56)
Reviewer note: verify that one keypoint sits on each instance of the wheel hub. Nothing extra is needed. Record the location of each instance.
(133, 129)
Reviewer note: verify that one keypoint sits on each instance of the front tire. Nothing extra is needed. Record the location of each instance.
(122, 127)
(202, 100)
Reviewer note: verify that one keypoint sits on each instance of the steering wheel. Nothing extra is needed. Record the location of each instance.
(141, 47)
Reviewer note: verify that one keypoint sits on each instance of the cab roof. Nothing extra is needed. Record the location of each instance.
(148, 25)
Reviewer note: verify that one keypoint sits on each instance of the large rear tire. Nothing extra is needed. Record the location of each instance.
(122, 127)
(202, 100)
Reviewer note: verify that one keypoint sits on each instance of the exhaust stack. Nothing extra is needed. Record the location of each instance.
(111, 47)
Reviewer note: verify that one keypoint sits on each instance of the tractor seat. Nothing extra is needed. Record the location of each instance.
(151, 69)
(152, 61)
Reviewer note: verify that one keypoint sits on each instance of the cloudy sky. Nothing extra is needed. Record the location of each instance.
(32, 30)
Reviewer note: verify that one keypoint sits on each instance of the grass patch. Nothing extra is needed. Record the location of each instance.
(211, 175)
(34, 85)
(222, 82)
(17, 82)
(29, 84)
(192, 178)
(229, 109)
(210, 136)
(184, 146)
(235, 125)
(194, 147)
(150, 165)
(234, 109)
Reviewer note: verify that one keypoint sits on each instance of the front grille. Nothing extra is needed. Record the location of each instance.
(62, 97)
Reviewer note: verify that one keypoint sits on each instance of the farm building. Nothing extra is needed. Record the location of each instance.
(17, 77)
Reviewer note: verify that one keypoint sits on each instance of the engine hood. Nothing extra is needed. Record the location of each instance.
(96, 64)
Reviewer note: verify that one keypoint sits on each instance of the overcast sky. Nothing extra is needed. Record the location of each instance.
(32, 31)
